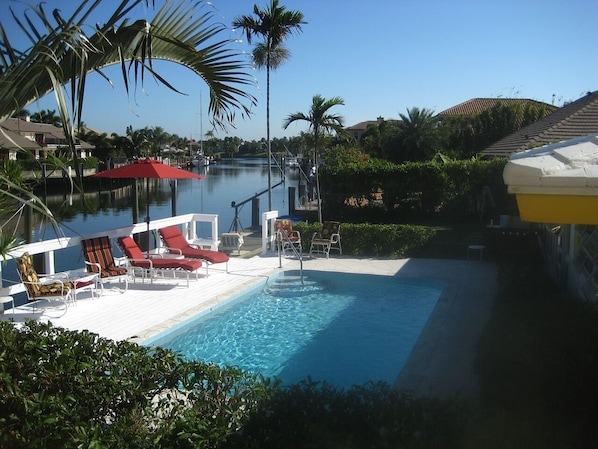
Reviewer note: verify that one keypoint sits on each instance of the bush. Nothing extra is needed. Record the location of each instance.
(379, 191)
(372, 240)
(312, 414)
(68, 389)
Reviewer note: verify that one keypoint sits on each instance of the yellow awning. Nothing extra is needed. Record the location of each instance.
(556, 183)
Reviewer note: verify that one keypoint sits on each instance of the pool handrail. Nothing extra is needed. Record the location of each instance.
(284, 236)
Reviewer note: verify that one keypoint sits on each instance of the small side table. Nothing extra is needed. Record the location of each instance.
(479, 248)
(6, 300)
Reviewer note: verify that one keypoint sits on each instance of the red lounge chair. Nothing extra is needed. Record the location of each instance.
(176, 243)
(155, 265)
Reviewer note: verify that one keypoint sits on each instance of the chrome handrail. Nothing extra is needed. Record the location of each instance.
(280, 236)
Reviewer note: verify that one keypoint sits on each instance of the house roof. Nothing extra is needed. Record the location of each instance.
(17, 126)
(14, 141)
(478, 105)
(362, 126)
(576, 119)
(25, 126)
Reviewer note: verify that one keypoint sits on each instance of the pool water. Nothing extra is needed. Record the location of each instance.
(341, 328)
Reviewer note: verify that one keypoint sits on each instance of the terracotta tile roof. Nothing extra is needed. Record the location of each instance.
(362, 126)
(577, 119)
(478, 105)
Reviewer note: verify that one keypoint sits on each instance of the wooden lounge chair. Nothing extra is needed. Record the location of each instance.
(329, 238)
(286, 237)
(176, 244)
(39, 286)
(98, 257)
(152, 266)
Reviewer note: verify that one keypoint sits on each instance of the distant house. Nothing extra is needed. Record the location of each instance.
(358, 129)
(11, 143)
(41, 138)
(575, 119)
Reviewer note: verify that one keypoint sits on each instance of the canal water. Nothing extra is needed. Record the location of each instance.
(226, 182)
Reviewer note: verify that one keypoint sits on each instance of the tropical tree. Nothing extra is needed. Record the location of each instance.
(231, 145)
(103, 143)
(47, 116)
(322, 124)
(273, 24)
(418, 136)
(139, 140)
(123, 145)
(58, 53)
(157, 138)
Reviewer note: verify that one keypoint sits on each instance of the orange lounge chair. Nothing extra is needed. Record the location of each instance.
(176, 243)
(155, 265)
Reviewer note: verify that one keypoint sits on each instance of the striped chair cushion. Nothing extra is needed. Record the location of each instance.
(99, 251)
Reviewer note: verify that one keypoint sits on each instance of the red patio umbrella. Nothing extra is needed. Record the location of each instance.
(146, 169)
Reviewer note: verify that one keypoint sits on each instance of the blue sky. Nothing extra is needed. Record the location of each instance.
(382, 57)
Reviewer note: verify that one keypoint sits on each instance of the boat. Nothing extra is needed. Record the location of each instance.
(292, 162)
(201, 160)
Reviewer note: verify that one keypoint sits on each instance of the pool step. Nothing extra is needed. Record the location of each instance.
(287, 286)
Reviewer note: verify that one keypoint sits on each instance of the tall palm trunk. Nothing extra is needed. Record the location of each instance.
(268, 133)
(318, 199)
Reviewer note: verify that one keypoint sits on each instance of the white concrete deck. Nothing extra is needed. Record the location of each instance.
(440, 365)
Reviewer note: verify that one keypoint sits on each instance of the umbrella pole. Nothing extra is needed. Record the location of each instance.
(147, 217)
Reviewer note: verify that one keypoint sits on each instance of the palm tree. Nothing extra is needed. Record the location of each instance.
(139, 140)
(61, 52)
(47, 116)
(418, 135)
(273, 24)
(321, 124)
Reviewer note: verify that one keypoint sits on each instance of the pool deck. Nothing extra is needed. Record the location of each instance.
(441, 364)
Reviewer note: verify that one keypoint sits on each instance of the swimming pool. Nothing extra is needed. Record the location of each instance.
(341, 328)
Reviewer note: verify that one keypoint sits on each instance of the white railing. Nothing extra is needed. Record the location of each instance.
(52, 248)
(268, 230)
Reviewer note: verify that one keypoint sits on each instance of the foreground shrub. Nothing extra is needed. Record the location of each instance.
(69, 389)
(312, 414)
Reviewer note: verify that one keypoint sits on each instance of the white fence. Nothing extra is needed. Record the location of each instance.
(52, 248)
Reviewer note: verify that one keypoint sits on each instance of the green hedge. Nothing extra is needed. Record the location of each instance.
(398, 193)
(373, 240)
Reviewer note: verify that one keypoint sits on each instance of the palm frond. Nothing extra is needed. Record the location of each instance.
(63, 53)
